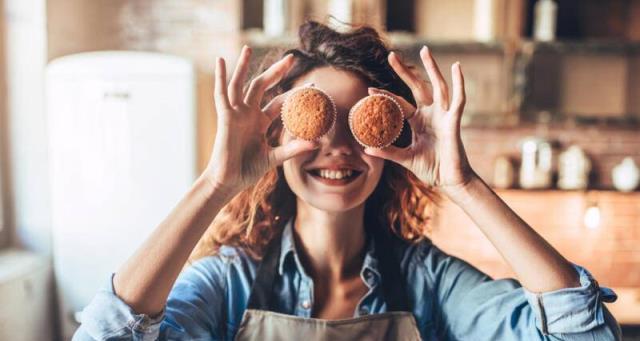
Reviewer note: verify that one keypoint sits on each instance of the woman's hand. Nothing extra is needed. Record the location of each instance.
(436, 154)
(241, 154)
(437, 157)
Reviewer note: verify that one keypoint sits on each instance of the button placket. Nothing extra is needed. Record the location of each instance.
(304, 299)
(306, 304)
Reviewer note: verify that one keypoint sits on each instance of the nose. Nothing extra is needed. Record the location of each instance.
(339, 140)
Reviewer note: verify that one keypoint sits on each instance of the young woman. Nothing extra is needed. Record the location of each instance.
(284, 255)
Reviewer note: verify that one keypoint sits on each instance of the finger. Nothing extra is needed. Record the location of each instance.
(459, 96)
(267, 79)
(418, 87)
(280, 154)
(272, 109)
(401, 156)
(407, 108)
(440, 90)
(220, 86)
(235, 87)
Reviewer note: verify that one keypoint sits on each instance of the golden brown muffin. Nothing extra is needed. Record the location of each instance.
(308, 113)
(376, 121)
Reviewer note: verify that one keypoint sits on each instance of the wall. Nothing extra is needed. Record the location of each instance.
(27, 187)
(611, 251)
(27, 154)
(4, 198)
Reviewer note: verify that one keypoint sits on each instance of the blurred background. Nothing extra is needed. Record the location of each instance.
(106, 118)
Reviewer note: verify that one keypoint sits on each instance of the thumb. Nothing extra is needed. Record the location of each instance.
(392, 153)
(280, 154)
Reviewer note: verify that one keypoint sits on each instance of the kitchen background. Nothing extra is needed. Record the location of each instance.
(552, 122)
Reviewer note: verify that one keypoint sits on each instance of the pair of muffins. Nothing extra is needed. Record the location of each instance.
(375, 121)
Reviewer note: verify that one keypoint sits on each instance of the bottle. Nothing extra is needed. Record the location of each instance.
(275, 18)
(342, 12)
(626, 175)
(484, 20)
(544, 23)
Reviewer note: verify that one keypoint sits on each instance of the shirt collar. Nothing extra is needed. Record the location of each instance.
(287, 246)
(288, 250)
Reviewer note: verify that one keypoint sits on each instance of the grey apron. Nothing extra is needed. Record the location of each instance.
(261, 322)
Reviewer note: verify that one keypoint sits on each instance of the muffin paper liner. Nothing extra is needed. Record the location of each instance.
(333, 106)
(359, 103)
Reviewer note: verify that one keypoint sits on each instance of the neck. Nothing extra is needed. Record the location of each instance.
(331, 244)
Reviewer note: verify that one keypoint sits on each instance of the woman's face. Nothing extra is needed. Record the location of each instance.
(338, 151)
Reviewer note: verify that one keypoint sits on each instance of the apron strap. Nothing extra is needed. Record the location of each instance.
(261, 294)
(393, 289)
(389, 250)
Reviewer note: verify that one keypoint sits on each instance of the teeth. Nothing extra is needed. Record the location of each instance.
(335, 174)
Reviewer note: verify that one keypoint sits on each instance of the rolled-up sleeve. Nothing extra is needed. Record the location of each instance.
(194, 310)
(472, 306)
(107, 317)
(571, 310)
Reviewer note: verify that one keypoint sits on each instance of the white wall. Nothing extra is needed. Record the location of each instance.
(26, 56)
(27, 185)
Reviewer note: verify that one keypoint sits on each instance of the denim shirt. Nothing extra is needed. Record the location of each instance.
(450, 300)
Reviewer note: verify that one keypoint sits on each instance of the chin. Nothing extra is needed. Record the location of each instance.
(332, 202)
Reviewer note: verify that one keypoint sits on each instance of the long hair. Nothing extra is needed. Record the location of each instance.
(400, 202)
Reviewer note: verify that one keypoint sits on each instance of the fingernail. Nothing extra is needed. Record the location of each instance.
(424, 49)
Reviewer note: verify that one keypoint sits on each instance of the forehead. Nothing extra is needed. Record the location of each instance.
(345, 87)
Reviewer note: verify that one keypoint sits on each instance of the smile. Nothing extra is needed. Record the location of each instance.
(335, 177)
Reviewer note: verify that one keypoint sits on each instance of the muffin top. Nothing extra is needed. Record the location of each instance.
(308, 113)
(376, 121)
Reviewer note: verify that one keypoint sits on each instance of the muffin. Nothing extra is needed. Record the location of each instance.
(376, 121)
(308, 113)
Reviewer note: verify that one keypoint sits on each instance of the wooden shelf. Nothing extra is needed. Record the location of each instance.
(609, 193)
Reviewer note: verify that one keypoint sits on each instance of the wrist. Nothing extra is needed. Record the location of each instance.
(214, 190)
(464, 191)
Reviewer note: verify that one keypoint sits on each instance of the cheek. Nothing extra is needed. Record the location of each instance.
(376, 166)
(293, 174)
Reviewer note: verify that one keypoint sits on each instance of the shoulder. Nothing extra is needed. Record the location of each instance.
(434, 264)
(214, 270)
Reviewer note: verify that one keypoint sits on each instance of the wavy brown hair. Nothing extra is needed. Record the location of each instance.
(400, 202)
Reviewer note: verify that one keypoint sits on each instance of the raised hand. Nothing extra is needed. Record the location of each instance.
(436, 154)
(241, 154)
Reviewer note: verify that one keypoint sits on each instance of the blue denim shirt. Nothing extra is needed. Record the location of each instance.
(450, 299)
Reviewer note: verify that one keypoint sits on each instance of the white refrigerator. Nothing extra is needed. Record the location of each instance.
(122, 152)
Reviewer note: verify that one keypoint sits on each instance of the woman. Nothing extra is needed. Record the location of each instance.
(290, 257)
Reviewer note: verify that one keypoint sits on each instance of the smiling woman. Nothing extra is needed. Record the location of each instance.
(344, 65)
(325, 239)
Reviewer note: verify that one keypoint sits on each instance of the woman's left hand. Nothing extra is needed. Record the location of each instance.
(436, 154)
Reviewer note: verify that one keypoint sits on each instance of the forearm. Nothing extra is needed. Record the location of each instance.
(538, 266)
(145, 280)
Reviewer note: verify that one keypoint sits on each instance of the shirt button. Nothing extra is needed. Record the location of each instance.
(306, 304)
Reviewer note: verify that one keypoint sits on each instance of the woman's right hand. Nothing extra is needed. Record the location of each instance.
(241, 154)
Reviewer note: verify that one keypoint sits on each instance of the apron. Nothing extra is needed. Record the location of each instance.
(261, 322)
